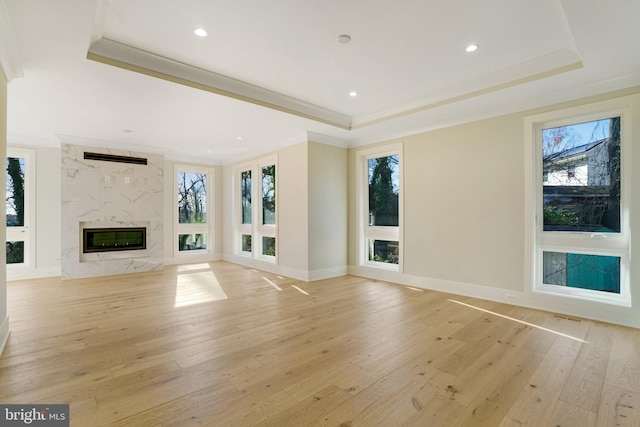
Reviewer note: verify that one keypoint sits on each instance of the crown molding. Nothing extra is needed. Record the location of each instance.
(545, 66)
(326, 139)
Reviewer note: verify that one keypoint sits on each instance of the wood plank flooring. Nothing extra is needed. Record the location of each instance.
(218, 344)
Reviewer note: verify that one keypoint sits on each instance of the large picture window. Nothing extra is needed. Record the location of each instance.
(580, 209)
(193, 209)
(581, 177)
(380, 218)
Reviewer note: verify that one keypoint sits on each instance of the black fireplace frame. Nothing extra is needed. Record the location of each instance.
(88, 236)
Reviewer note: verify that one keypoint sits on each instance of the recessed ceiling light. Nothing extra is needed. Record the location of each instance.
(200, 32)
(239, 138)
(353, 93)
(344, 38)
(472, 47)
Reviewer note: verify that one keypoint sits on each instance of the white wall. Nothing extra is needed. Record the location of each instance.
(48, 217)
(4, 318)
(327, 190)
(464, 213)
(293, 210)
(463, 203)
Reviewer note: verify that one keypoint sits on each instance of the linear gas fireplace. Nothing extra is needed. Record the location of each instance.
(113, 239)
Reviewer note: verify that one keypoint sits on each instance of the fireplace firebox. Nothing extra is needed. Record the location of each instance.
(113, 239)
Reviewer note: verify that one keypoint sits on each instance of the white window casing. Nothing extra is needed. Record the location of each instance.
(538, 241)
(204, 228)
(256, 229)
(368, 233)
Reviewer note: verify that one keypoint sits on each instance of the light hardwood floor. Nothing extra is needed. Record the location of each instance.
(222, 345)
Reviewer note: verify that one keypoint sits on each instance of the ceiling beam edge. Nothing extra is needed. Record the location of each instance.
(9, 52)
(132, 59)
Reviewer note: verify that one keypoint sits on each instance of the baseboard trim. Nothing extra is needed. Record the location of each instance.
(192, 259)
(294, 273)
(26, 273)
(602, 312)
(252, 263)
(328, 273)
(4, 333)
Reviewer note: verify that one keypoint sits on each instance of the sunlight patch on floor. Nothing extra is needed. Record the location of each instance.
(191, 267)
(414, 289)
(300, 290)
(542, 328)
(198, 288)
(271, 283)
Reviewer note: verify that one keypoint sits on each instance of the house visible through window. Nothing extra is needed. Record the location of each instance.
(581, 243)
(582, 165)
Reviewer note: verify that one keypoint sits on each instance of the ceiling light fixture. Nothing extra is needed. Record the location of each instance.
(200, 32)
(344, 38)
(353, 93)
(239, 138)
(471, 48)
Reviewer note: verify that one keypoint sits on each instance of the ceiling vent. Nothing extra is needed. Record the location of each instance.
(114, 158)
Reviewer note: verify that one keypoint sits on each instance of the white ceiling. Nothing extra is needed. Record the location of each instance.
(273, 73)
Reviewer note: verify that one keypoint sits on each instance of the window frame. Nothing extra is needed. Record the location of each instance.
(538, 241)
(367, 232)
(244, 228)
(256, 229)
(205, 228)
(265, 230)
(27, 232)
(581, 293)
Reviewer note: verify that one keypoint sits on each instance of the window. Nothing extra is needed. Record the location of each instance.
(246, 243)
(380, 218)
(580, 245)
(245, 185)
(268, 246)
(193, 209)
(20, 216)
(269, 195)
(257, 225)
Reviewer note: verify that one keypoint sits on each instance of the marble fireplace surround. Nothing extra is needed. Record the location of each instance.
(97, 194)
